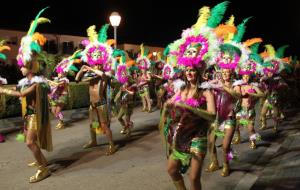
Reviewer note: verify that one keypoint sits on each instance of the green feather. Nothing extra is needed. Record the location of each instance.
(102, 36)
(256, 57)
(77, 55)
(35, 22)
(35, 47)
(241, 29)
(166, 51)
(118, 52)
(254, 48)
(267, 64)
(2, 56)
(133, 68)
(280, 51)
(288, 68)
(231, 49)
(73, 68)
(216, 14)
(146, 51)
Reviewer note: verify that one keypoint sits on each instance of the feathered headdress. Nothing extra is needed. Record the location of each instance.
(199, 44)
(250, 66)
(273, 60)
(67, 64)
(98, 50)
(143, 59)
(2, 48)
(31, 43)
(233, 52)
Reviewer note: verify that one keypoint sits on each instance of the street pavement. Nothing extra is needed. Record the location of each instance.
(140, 161)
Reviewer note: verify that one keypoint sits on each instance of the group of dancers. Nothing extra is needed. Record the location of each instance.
(207, 84)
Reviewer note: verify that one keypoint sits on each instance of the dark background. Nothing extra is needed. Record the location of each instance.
(156, 22)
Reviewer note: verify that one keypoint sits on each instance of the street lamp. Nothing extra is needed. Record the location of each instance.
(115, 20)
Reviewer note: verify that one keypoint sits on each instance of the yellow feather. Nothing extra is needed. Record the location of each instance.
(92, 34)
(142, 49)
(230, 21)
(159, 56)
(252, 41)
(203, 16)
(270, 50)
(42, 20)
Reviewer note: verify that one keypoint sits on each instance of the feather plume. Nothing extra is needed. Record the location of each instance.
(230, 21)
(39, 38)
(241, 29)
(264, 54)
(223, 30)
(110, 42)
(102, 36)
(92, 34)
(118, 52)
(216, 14)
(270, 50)
(2, 56)
(159, 56)
(252, 41)
(280, 51)
(35, 47)
(142, 49)
(203, 16)
(166, 51)
(35, 23)
(43, 20)
(130, 63)
(254, 48)
(2, 48)
(76, 55)
(286, 60)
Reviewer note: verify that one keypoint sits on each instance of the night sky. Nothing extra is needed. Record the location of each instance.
(156, 22)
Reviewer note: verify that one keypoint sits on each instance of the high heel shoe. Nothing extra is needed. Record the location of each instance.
(42, 173)
(225, 170)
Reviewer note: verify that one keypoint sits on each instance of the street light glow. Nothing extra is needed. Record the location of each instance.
(115, 19)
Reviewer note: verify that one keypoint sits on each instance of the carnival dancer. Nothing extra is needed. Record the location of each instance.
(144, 78)
(226, 96)
(2, 80)
(125, 98)
(187, 115)
(58, 96)
(157, 75)
(98, 54)
(271, 83)
(33, 90)
(249, 92)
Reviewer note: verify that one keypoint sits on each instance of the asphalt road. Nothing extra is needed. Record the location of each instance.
(140, 161)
